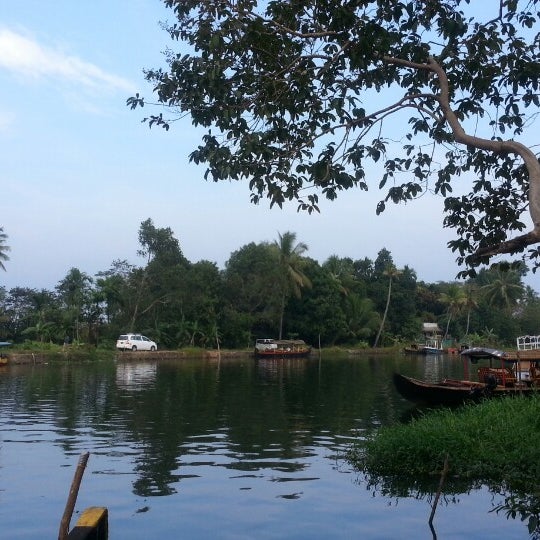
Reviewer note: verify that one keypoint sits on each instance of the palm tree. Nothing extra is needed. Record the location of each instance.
(3, 249)
(504, 289)
(291, 275)
(362, 319)
(341, 271)
(470, 303)
(392, 272)
(455, 299)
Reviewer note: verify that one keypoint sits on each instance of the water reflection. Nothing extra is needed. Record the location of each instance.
(135, 376)
(503, 500)
(174, 442)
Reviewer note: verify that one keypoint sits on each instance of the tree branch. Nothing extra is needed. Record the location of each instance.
(506, 147)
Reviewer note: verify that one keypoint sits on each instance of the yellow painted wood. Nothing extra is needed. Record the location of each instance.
(92, 516)
(91, 525)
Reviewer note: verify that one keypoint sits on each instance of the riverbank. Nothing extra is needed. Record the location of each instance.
(53, 353)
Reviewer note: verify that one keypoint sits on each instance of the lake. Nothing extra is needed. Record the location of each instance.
(230, 449)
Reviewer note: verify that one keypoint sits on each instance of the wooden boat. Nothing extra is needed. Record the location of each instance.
(432, 343)
(451, 392)
(417, 348)
(518, 373)
(281, 348)
(522, 364)
(93, 523)
(446, 392)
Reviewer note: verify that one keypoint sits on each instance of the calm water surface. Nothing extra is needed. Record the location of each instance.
(236, 449)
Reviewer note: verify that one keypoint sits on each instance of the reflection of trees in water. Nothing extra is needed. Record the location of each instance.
(526, 506)
(515, 503)
(253, 416)
(183, 415)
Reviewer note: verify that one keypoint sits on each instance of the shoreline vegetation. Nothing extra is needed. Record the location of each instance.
(32, 352)
(493, 443)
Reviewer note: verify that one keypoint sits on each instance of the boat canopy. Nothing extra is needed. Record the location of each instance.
(484, 352)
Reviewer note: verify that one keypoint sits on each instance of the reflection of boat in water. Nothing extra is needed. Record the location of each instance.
(3, 357)
(281, 348)
(432, 341)
(518, 373)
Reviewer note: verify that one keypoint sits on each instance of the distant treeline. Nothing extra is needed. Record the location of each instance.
(267, 289)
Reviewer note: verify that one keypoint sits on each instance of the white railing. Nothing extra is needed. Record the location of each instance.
(526, 343)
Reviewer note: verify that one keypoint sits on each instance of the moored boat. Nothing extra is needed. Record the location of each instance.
(281, 348)
(522, 364)
(446, 392)
(517, 373)
(432, 343)
(451, 392)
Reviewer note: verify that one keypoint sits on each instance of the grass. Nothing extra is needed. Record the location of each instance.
(496, 441)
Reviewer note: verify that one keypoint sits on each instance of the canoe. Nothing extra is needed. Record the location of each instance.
(445, 392)
(451, 392)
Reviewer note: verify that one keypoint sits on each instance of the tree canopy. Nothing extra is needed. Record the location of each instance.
(304, 99)
(266, 289)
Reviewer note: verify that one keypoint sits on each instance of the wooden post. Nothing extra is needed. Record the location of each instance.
(72, 497)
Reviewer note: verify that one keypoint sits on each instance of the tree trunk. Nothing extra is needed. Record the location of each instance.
(281, 315)
(385, 313)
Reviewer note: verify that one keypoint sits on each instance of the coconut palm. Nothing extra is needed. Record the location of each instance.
(341, 272)
(392, 272)
(291, 275)
(504, 290)
(3, 249)
(362, 319)
(471, 302)
(454, 298)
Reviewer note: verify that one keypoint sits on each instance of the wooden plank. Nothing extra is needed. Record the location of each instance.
(529, 354)
(93, 524)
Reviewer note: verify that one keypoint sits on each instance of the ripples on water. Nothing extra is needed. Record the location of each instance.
(204, 450)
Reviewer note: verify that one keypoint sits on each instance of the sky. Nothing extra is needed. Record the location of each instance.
(79, 171)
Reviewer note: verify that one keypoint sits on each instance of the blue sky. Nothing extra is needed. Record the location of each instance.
(80, 172)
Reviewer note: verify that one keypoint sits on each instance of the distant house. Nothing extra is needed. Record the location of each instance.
(431, 330)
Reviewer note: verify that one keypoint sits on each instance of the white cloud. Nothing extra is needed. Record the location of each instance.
(26, 57)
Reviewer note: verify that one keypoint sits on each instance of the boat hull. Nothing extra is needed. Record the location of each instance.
(282, 354)
(453, 392)
(421, 350)
(281, 348)
(444, 393)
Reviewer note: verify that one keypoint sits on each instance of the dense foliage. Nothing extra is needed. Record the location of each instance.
(477, 446)
(265, 289)
(311, 98)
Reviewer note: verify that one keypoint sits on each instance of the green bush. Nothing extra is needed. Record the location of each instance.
(495, 441)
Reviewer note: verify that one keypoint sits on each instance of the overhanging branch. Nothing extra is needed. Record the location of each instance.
(506, 147)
